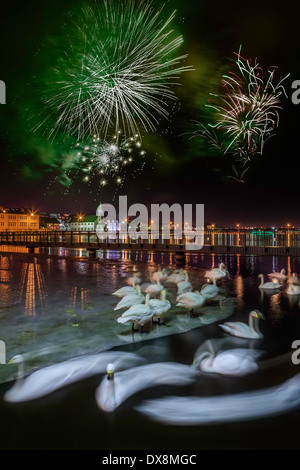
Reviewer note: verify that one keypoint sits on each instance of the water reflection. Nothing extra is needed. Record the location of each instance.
(59, 288)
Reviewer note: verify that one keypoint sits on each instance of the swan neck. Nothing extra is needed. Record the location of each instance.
(200, 358)
(253, 324)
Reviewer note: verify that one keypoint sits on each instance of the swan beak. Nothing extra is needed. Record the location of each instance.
(110, 375)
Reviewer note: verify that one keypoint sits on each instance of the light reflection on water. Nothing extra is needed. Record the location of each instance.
(26, 281)
(76, 291)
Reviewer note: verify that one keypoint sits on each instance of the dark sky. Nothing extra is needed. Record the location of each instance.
(174, 171)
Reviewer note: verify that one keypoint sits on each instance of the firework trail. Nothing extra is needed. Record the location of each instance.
(117, 69)
(245, 115)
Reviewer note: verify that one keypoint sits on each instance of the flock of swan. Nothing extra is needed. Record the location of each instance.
(125, 374)
(141, 304)
(277, 281)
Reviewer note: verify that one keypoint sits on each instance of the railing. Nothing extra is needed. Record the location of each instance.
(270, 241)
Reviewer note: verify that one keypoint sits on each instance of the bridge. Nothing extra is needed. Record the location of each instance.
(231, 241)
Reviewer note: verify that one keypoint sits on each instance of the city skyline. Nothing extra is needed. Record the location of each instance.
(176, 169)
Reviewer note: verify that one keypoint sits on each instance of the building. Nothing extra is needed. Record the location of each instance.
(49, 223)
(85, 223)
(15, 220)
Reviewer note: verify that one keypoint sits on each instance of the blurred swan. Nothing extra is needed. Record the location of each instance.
(209, 291)
(135, 279)
(125, 290)
(217, 273)
(131, 299)
(242, 329)
(154, 289)
(268, 285)
(159, 307)
(139, 314)
(184, 286)
(176, 277)
(292, 289)
(280, 276)
(47, 380)
(243, 406)
(294, 278)
(190, 301)
(233, 362)
(159, 275)
(117, 387)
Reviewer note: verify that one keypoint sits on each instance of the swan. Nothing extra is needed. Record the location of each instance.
(268, 285)
(125, 290)
(139, 314)
(154, 289)
(159, 307)
(244, 406)
(117, 387)
(190, 300)
(295, 279)
(243, 330)
(184, 286)
(176, 277)
(292, 289)
(209, 291)
(233, 362)
(280, 276)
(159, 275)
(217, 273)
(131, 299)
(135, 279)
(47, 380)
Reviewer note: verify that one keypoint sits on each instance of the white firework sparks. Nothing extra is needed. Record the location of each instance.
(105, 158)
(118, 70)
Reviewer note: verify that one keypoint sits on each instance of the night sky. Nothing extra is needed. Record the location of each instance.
(177, 169)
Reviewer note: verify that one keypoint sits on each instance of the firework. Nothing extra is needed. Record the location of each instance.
(117, 69)
(245, 114)
(107, 158)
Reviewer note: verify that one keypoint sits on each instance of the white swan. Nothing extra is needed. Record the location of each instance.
(190, 301)
(243, 330)
(47, 380)
(268, 285)
(295, 279)
(176, 277)
(135, 279)
(159, 275)
(209, 291)
(159, 307)
(222, 408)
(139, 314)
(233, 362)
(217, 273)
(280, 276)
(184, 286)
(125, 290)
(131, 299)
(154, 289)
(292, 289)
(117, 387)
